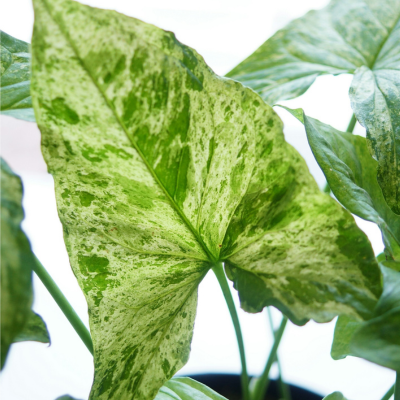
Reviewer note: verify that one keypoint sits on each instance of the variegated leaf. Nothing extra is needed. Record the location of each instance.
(15, 99)
(163, 168)
(343, 36)
(375, 98)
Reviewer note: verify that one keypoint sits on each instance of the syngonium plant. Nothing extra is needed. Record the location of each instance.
(164, 170)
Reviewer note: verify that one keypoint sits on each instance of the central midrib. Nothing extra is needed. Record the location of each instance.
(372, 65)
(174, 205)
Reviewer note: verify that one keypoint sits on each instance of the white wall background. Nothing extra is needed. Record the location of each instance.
(224, 32)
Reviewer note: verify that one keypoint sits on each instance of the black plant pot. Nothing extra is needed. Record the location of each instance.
(228, 385)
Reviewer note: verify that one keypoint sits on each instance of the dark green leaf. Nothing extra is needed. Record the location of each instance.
(335, 396)
(186, 389)
(161, 169)
(15, 78)
(375, 99)
(351, 174)
(35, 329)
(17, 261)
(378, 339)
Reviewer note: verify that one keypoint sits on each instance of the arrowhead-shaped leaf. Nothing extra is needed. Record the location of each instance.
(17, 261)
(186, 389)
(15, 78)
(351, 173)
(378, 339)
(35, 330)
(343, 36)
(347, 36)
(163, 168)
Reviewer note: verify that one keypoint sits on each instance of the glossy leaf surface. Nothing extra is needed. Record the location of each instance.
(17, 261)
(35, 330)
(376, 340)
(162, 168)
(186, 389)
(351, 173)
(343, 36)
(15, 78)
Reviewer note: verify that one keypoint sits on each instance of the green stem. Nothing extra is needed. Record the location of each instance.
(388, 394)
(350, 129)
(220, 274)
(397, 387)
(352, 124)
(283, 387)
(63, 303)
(262, 381)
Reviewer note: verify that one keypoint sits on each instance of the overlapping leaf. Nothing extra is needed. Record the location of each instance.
(17, 261)
(186, 389)
(378, 339)
(161, 169)
(375, 99)
(35, 330)
(351, 173)
(347, 36)
(15, 78)
(343, 36)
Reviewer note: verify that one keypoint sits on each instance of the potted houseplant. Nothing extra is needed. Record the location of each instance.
(165, 171)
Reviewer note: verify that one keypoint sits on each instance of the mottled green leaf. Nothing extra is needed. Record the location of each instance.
(161, 169)
(15, 99)
(351, 174)
(335, 396)
(35, 330)
(361, 37)
(186, 389)
(343, 36)
(375, 99)
(378, 339)
(17, 261)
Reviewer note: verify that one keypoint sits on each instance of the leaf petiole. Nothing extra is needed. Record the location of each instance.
(388, 394)
(220, 274)
(352, 124)
(397, 387)
(262, 382)
(284, 388)
(64, 305)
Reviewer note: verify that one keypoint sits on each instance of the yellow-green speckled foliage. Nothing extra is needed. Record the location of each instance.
(162, 168)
